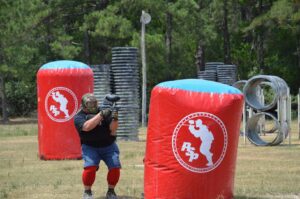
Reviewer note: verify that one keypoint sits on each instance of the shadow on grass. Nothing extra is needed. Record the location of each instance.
(121, 197)
(19, 121)
(245, 197)
(129, 197)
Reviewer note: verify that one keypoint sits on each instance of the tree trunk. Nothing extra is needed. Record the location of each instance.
(102, 4)
(3, 100)
(226, 36)
(201, 4)
(260, 43)
(200, 57)
(87, 47)
(200, 53)
(48, 38)
(298, 47)
(169, 37)
(261, 52)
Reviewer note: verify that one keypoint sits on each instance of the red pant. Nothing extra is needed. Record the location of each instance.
(89, 175)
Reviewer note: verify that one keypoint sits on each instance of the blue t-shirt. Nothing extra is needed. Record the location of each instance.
(100, 136)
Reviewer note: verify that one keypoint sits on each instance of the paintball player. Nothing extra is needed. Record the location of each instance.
(97, 131)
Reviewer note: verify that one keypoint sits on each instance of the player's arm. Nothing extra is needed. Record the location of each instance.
(93, 122)
(113, 126)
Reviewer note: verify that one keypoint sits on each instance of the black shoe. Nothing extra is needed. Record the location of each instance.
(111, 194)
(88, 195)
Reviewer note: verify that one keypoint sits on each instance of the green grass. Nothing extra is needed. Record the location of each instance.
(262, 172)
(20, 130)
(19, 127)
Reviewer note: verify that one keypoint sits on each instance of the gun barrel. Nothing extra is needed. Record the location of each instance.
(112, 98)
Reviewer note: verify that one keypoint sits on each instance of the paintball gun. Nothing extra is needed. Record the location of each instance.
(109, 103)
(108, 108)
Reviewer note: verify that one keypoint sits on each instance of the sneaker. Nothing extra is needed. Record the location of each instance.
(111, 194)
(87, 195)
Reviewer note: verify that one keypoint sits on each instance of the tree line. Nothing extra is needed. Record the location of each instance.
(259, 36)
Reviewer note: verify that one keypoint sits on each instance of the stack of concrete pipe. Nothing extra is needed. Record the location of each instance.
(261, 111)
(227, 74)
(217, 71)
(125, 81)
(101, 80)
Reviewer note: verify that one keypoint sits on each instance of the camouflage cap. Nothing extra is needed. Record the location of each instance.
(89, 101)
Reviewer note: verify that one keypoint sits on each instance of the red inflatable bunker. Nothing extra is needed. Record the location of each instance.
(60, 86)
(192, 140)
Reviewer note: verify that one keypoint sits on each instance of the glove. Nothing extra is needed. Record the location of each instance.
(115, 115)
(106, 113)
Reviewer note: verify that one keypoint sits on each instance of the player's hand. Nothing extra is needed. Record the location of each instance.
(106, 113)
(115, 115)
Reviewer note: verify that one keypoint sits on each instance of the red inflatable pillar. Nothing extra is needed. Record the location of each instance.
(192, 140)
(60, 86)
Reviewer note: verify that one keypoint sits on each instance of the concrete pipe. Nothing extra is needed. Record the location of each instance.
(240, 84)
(253, 87)
(256, 126)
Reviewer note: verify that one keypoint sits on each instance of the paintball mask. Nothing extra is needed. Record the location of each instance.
(90, 103)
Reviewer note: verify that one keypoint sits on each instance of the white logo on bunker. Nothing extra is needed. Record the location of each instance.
(61, 104)
(62, 100)
(199, 130)
(195, 143)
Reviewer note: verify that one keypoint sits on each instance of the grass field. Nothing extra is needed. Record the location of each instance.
(262, 172)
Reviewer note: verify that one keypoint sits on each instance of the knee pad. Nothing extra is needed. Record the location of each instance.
(89, 175)
(113, 176)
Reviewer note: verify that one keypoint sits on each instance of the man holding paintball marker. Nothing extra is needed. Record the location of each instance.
(97, 130)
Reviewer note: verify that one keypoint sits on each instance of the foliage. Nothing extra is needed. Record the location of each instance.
(21, 97)
(38, 31)
(245, 60)
(63, 47)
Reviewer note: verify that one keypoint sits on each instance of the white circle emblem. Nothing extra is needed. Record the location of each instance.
(199, 142)
(61, 104)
